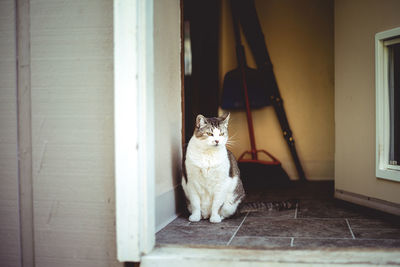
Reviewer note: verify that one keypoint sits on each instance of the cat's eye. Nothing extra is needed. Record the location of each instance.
(210, 134)
(221, 134)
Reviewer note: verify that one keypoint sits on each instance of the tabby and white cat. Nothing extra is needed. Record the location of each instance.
(211, 181)
(211, 178)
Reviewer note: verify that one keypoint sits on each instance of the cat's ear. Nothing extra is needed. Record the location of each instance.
(225, 119)
(200, 121)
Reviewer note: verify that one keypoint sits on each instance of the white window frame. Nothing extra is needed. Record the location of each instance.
(134, 128)
(384, 170)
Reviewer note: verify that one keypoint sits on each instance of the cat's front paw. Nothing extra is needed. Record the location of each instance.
(215, 219)
(194, 217)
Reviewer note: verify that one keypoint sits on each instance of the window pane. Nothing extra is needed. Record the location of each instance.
(394, 102)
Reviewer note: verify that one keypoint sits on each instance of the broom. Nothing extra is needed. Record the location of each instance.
(255, 173)
(248, 19)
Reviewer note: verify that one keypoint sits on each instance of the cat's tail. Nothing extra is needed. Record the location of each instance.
(267, 206)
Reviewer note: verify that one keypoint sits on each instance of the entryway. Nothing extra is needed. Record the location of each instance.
(320, 221)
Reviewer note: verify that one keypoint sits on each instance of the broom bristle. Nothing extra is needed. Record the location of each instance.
(259, 176)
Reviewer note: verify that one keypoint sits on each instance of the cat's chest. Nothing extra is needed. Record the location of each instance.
(208, 165)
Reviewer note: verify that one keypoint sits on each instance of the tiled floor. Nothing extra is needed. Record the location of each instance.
(319, 221)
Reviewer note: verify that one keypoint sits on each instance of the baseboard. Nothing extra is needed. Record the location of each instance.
(369, 202)
(168, 207)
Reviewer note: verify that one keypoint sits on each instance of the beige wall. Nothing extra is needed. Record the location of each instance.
(356, 23)
(9, 216)
(72, 132)
(167, 86)
(168, 111)
(299, 37)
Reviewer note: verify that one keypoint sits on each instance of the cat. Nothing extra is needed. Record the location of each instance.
(211, 177)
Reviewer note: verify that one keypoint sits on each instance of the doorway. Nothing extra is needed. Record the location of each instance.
(319, 220)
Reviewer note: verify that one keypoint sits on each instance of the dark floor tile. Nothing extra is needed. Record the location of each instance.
(199, 235)
(380, 228)
(334, 243)
(330, 209)
(377, 233)
(233, 221)
(265, 227)
(387, 222)
(260, 242)
(274, 214)
(258, 226)
(180, 221)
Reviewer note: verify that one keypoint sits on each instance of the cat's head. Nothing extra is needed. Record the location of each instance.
(212, 131)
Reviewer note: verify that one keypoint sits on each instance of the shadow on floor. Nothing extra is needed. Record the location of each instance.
(319, 221)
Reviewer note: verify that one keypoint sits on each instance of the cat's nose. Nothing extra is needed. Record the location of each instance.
(216, 141)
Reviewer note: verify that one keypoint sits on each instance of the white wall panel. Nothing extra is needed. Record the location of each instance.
(9, 216)
(72, 132)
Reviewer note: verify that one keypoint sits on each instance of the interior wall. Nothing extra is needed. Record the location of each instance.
(168, 110)
(9, 211)
(299, 36)
(72, 132)
(356, 23)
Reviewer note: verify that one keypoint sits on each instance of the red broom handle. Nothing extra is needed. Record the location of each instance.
(248, 113)
(242, 64)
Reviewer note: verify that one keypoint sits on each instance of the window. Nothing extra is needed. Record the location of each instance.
(387, 55)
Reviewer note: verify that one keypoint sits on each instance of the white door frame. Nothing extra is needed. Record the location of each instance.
(134, 128)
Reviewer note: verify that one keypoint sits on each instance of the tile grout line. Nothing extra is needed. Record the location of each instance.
(240, 225)
(291, 241)
(351, 231)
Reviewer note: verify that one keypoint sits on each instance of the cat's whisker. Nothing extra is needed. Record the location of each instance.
(229, 146)
(231, 142)
(233, 135)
